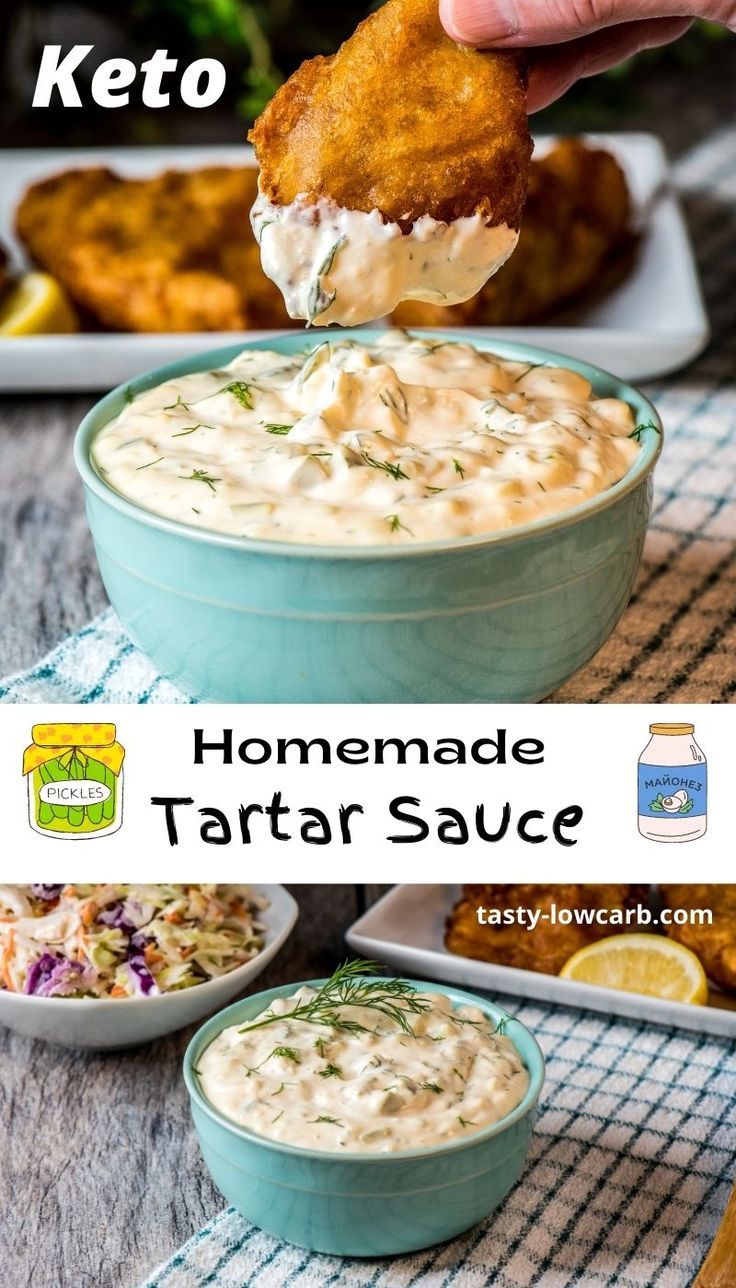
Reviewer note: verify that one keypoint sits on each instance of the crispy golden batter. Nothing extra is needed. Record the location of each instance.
(401, 120)
(715, 945)
(547, 947)
(173, 253)
(575, 241)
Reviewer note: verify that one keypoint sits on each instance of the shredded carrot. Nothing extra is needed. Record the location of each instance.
(174, 917)
(151, 955)
(89, 912)
(117, 991)
(5, 962)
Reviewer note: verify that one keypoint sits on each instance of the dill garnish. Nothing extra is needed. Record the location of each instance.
(435, 490)
(397, 525)
(148, 464)
(241, 391)
(459, 469)
(276, 429)
(389, 467)
(432, 1086)
(396, 402)
(179, 403)
(465, 1122)
(128, 394)
(275, 1120)
(286, 1053)
(325, 1118)
(320, 1045)
(200, 476)
(319, 300)
(351, 985)
(330, 1071)
(636, 434)
(182, 433)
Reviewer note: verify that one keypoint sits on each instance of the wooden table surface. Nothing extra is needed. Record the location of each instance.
(100, 1172)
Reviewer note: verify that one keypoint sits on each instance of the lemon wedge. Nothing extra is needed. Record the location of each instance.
(648, 964)
(36, 304)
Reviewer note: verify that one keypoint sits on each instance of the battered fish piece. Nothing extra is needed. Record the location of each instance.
(715, 945)
(172, 253)
(575, 242)
(547, 947)
(423, 143)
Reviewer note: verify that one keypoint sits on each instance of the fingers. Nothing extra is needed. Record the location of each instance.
(512, 24)
(553, 71)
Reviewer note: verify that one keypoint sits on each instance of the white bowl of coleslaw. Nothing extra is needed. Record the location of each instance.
(100, 967)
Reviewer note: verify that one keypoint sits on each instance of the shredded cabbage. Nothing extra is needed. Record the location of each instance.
(124, 940)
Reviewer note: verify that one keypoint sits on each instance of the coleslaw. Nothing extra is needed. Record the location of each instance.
(124, 940)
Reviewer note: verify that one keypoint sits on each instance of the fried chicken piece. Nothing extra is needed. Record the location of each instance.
(547, 947)
(575, 240)
(714, 945)
(401, 120)
(152, 254)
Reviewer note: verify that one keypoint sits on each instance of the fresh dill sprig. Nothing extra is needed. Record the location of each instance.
(241, 391)
(465, 1122)
(636, 434)
(148, 464)
(396, 525)
(286, 1053)
(394, 470)
(182, 433)
(199, 476)
(396, 402)
(459, 469)
(179, 403)
(325, 1118)
(351, 985)
(432, 1086)
(128, 394)
(277, 429)
(330, 1071)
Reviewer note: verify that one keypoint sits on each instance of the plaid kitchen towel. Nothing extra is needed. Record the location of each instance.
(677, 639)
(629, 1173)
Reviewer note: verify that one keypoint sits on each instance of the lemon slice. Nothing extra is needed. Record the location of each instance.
(648, 964)
(36, 305)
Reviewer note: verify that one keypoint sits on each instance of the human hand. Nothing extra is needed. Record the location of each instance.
(570, 39)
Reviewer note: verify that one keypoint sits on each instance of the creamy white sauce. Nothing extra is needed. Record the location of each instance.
(370, 1092)
(345, 266)
(397, 442)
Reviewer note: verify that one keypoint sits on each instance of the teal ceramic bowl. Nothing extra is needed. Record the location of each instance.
(499, 618)
(364, 1205)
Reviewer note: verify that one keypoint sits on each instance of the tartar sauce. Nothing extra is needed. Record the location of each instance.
(401, 441)
(376, 1090)
(346, 266)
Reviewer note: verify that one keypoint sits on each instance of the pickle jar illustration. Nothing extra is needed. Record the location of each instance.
(75, 780)
(673, 785)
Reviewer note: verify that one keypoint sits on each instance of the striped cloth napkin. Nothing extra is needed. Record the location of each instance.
(676, 641)
(629, 1174)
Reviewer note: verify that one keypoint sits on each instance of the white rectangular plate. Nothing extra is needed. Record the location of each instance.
(405, 929)
(654, 322)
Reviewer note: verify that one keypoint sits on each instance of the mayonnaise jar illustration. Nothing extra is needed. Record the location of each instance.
(673, 785)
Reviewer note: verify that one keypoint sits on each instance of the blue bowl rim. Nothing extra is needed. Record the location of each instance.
(109, 405)
(216, 1023)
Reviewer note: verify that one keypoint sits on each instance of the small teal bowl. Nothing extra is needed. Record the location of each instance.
(503, 617)
(364, 1205)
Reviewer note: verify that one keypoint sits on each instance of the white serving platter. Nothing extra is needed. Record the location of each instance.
(653, 323)
(405, 929)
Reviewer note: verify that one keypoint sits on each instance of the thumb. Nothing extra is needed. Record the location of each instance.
(516, 23)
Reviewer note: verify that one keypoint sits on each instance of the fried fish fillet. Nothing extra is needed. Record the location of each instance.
(715, 945)
(547, 947)
(172, 253)
(403, 121)
(575, 241)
